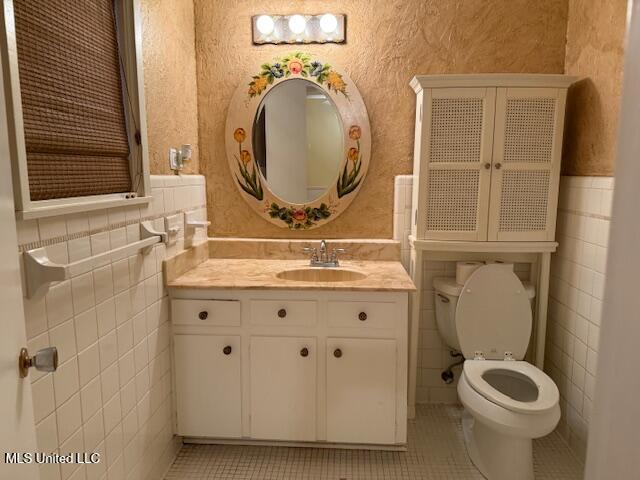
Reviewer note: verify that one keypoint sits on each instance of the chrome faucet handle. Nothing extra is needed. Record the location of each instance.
(334, 255)
(312, 252)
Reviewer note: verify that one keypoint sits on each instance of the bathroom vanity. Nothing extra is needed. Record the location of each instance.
(273, 350)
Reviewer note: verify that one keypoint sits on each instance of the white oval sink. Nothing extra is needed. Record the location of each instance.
(321, 275)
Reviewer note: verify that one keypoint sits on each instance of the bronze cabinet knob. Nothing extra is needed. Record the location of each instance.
(227, 350)
(498, 166)
(304, 352)
(203, 315)
(337, 353)
(282, 313)
(487, 166)
(362, 316)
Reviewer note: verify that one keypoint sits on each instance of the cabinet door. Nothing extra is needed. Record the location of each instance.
(283, 388)
(526, 163)
(457, 138)
(361, 390)
(208, 389)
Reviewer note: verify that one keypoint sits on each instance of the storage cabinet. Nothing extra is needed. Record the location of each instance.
(283, 388)
(208, 389)
(487, 156)
(361, 390)
(331, 368)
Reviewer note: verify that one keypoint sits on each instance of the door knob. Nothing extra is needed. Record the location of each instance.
(304, 352)
(203, 315)
(45, 360)
(337, 353)
(227, 350)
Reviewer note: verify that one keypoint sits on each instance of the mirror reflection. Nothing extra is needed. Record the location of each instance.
(298, 141)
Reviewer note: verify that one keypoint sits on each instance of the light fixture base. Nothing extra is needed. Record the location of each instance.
(314, 31)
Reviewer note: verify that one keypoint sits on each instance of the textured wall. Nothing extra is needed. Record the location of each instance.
(388, 43)
(170, 80)
(595, 47)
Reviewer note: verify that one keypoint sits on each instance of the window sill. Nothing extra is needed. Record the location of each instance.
(78, 205)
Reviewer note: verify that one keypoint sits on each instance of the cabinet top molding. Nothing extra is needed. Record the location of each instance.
(420, 82)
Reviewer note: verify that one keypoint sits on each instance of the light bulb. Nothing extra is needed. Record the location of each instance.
(265, 24)
(328, 23)
(297, 24)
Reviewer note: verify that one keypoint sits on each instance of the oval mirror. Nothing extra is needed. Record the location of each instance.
(298, 141)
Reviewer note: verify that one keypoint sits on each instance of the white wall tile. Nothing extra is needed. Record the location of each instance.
(575, 313)
(88, 364)
(65, 381)
(86, 325)
(63, 337)
(110, 324)
(69, 417)
(91, 398)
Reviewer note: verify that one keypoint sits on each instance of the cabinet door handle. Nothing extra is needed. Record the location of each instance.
(337, 353)
(304, 352)
(362, 316)
(282, 313)
(498, 166)
(487, 166)
(203, 315)
(227, 350)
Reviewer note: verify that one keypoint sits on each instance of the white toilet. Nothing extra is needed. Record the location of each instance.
(508, 401)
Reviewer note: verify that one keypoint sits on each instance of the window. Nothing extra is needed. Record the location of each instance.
(78, 125)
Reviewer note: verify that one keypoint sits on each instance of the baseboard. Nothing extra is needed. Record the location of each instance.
(271, 443)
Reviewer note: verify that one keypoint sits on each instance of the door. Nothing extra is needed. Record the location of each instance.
(283, 388)
(457, 136)
(208, 388)
(526, 163)
(361, 390)
(17, 429)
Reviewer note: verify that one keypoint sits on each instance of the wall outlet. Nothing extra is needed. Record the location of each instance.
(175, 162)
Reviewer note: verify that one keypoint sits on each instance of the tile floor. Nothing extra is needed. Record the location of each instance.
(435, 451)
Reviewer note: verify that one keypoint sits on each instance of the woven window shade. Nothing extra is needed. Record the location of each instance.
(72, 101)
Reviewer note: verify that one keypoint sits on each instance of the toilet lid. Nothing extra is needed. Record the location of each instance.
(493, 315)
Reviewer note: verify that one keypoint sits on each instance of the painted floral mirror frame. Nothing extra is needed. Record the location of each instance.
(357, 141)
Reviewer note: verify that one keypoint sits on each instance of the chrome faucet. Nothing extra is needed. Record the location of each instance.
(324, 259)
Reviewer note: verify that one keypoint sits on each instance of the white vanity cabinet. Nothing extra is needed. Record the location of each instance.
(487, 156)
(303, 366)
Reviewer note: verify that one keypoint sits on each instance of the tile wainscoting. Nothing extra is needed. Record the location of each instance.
(575, 305)
(112, 391)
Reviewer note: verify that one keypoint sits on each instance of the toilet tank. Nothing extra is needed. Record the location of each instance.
(447, 292)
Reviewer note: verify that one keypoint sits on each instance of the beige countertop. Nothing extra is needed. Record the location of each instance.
(224, 273)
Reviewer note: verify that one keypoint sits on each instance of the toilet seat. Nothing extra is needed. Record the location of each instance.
(548, 394)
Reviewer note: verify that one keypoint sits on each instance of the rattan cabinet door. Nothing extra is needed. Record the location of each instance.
(457, 137)
(526, 163)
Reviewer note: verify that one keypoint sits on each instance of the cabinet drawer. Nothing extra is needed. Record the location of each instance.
(283, 312)
(362, 314)
(206, 312)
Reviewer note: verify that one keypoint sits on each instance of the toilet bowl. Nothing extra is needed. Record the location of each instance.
(508, 402)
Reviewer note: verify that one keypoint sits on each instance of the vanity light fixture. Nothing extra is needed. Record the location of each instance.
(290, 29)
